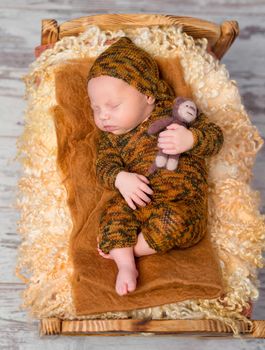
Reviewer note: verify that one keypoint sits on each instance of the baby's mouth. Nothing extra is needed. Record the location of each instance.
(110, 128)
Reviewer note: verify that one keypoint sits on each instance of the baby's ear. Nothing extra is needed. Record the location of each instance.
(150, 100)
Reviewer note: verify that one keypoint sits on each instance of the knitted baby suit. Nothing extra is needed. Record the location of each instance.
(176, 217)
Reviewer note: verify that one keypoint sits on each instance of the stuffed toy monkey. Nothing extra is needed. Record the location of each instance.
(168, 161)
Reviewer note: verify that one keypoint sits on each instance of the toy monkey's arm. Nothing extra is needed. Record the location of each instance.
(108, 163)
(208, 137)
(159, 125)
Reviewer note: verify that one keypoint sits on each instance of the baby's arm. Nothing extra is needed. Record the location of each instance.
(208, 137)
(109, 162)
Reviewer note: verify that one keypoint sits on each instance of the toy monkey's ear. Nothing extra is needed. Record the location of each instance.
(178, 100)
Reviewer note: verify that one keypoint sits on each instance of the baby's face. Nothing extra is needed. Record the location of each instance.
(117, 106)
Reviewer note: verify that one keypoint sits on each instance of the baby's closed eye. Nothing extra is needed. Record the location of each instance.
(116, 106)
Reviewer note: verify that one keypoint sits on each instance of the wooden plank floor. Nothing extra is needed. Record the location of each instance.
(19, 34)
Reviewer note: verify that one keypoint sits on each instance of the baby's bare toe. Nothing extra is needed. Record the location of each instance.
(130, 286)
(126, 280)
(122, 290)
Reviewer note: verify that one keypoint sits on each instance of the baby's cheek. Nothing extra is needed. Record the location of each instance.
(99, 124)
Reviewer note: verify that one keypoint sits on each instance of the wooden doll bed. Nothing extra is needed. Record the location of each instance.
(220, 38)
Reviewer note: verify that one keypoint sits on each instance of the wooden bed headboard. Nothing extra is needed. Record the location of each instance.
(220, 37)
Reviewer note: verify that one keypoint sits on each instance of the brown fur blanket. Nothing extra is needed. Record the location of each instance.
(181, 274)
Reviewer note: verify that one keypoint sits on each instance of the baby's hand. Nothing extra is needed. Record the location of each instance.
(176, 139)
(133, 187)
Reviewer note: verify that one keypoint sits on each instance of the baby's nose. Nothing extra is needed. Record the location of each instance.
(104, 116)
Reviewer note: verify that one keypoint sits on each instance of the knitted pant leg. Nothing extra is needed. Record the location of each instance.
(118, 225)
(174, 224)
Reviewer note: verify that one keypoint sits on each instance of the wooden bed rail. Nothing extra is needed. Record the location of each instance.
(206, 328)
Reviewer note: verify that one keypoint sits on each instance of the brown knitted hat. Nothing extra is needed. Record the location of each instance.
(124, 60)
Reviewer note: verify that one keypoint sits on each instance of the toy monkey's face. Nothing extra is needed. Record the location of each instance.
(188, 111)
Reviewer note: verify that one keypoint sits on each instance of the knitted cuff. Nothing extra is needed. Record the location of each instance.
(111, 177)
(198, 138)
(107, 245)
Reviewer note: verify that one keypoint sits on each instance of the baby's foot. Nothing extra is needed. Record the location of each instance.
(126, 280)
(104, 255)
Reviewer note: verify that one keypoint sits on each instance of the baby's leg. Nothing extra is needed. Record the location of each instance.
(118, 234)
(173, 225)
(142, 248)
(127, 275)
(117, 227)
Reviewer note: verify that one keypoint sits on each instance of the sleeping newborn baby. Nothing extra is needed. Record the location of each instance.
(150, 213)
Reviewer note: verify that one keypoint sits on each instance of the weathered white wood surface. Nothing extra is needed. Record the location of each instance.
(19, 33)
